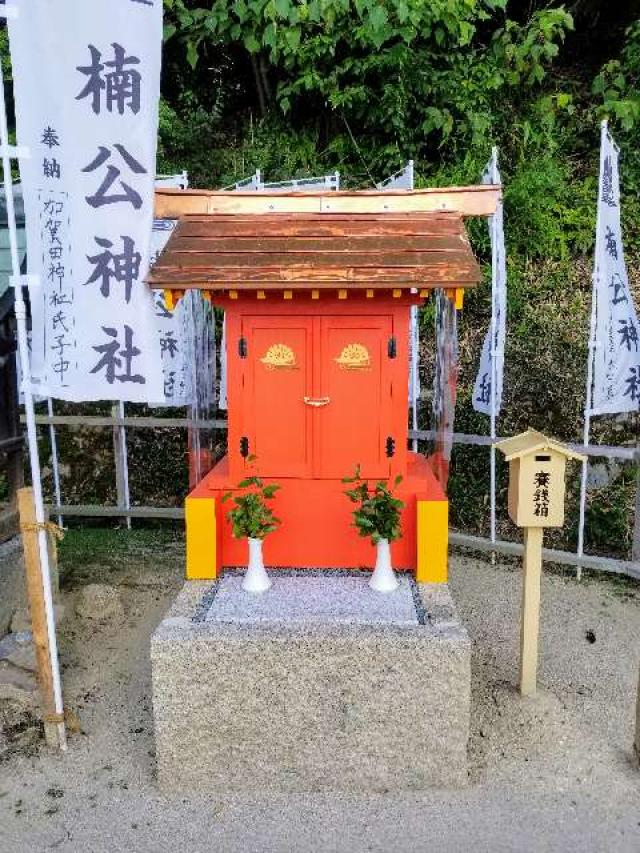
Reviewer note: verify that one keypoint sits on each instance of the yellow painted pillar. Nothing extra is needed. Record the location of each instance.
(432, 541)
(203, 539)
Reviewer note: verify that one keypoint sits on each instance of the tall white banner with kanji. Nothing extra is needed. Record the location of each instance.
(491, 367)
(87, 84)
(616, 365)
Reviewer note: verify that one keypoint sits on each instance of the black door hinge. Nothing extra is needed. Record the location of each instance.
(392, 348)
(244, 446)
(391, 446)
(242, 347)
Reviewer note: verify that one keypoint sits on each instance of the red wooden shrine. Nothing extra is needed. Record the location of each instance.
(317, 310)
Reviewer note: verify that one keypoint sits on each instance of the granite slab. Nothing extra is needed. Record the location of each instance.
(329, 599)
(321, 685)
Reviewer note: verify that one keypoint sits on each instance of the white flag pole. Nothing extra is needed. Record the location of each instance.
(21, 318)
(588, 405)
(54, 460)
(414, 374)
(415, 338)
(492, 350)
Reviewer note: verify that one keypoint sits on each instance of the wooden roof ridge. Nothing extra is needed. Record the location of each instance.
(475, 200)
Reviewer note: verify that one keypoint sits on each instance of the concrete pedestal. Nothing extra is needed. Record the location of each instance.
(318, 684)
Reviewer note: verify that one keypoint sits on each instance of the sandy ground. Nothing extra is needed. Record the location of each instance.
(550, 774)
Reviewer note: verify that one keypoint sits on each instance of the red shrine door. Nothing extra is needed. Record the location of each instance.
(317, 394)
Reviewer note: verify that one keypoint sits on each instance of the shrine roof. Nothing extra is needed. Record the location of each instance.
(533, 441)
(319, 250)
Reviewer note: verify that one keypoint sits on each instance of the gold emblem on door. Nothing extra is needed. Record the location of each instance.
(279, 357)
(354, 357)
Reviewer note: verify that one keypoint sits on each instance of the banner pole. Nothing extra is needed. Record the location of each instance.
(415, 348)
(413, 330)
(124, 461)
(492, 345)
(586, 434)
(54, 460)
(21, 319)
(121, 460)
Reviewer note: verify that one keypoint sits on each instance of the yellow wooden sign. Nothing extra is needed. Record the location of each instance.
(537, 468)
(536, 500)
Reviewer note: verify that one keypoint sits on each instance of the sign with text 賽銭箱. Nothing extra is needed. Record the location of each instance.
(86, 84)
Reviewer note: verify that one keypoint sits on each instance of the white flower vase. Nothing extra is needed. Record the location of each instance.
(383, 578)
(255, 578)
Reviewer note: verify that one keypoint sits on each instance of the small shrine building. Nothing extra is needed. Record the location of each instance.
(317, 290)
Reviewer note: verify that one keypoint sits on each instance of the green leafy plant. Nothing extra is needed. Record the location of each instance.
(251, 517)
(377, 514)
(413, 73)
(618, 83)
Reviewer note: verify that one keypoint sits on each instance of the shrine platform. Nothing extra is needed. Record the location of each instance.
(319, 684)
(317, 526)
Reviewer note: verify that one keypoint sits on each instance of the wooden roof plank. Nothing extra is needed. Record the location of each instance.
(306, 285)
(328, 245)
(327, 230)
(247, 275)
(188, 260)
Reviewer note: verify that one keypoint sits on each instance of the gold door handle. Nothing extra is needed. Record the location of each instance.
(316, 402)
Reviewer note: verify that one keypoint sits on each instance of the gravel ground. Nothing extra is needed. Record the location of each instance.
(553, 773)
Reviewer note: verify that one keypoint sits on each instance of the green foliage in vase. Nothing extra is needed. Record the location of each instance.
(377, 514)
(251, 517)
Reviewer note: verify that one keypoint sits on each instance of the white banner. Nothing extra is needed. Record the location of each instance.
(404, 180)
(170, 326)
(87, 84)
(482, 396)
(445, 377)
(414, 357)
(616, 366)
(222, 393)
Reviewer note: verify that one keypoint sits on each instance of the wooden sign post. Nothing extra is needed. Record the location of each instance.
(54, 726)
(530, 609)
(536, 500)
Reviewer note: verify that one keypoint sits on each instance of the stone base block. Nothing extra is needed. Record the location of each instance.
(310, 689)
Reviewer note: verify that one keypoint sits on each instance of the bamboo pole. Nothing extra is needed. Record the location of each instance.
(54, 728)
(530, 612)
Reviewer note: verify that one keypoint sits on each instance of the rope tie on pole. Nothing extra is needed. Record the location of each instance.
(53, 718)
(50, 528)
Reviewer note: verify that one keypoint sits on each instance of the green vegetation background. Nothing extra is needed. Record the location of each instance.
(304, 87)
